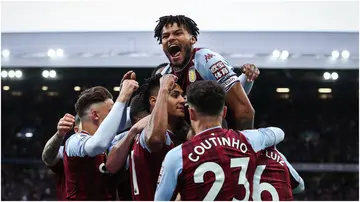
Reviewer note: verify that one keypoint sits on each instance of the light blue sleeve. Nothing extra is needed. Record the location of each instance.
(212, 66)
(117, 138)
(143, 142)
(171, 168)
(264, 137)
(125, 120)
(74, 146)
(101, 140)
(245, 84)
(166, 70)
(61, 151)
(295, 175)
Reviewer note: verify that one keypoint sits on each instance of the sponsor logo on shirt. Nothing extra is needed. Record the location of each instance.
(219, 70)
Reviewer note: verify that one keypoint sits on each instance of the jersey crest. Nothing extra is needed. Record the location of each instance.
(192, 74)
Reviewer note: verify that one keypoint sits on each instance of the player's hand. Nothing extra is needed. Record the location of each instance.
(251, 72)
(167, 81)
(129, 75)
(129, 86)
(65, 124)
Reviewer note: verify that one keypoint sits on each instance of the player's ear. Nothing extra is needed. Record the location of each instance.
(192, 114)
(192, 40)
(95, 115)
(152, 101)
(224, 112)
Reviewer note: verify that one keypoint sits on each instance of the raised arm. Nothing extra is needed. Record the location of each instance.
(106, 132)
(50, 154)
(155, 130)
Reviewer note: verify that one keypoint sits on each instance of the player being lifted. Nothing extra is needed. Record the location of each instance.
(216, 164)
(178, 35)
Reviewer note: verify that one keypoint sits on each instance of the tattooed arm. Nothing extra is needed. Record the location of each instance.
(51, 154)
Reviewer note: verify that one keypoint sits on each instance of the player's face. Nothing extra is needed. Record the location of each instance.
(104, 109)
(176, 103)
(177, 44)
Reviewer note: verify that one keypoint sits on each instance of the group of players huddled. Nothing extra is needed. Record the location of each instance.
(187, 134)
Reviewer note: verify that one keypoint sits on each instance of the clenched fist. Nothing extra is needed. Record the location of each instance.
(65, 124)
(251, 72)
(128, 86)
(167, 81)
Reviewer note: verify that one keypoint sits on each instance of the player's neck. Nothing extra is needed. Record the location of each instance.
(205, 123)
(89, 127)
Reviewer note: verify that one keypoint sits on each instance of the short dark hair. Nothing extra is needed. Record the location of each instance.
(136, 108)
(90, 96)
(162, 65)
(188, 23)
(207, 97)
(146, 90)
(77, 120)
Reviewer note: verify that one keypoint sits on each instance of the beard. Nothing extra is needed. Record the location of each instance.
(186, 60)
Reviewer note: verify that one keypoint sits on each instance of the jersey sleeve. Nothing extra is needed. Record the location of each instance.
(75, 145)
(125, 120)
(212, 66)
(170, 170)
(117, 138)
(264, 137)
(61, 152)
(143, 142)
(297, 183)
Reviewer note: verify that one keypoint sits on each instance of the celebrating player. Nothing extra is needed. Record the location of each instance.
(84, 156)
(275, 178)
(165, 102)
(53, 151)
(216, 164)
(178, 34)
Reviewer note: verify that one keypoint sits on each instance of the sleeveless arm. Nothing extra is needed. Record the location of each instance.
(264, 137)
(300, 186)
(170, 170)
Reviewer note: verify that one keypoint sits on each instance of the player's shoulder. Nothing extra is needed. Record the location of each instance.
(204, 52)
(77, 137)
(175, 154)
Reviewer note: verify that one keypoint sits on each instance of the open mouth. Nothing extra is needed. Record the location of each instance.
(174, 50)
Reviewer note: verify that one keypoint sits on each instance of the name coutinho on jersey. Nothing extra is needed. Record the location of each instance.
(216, 141)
